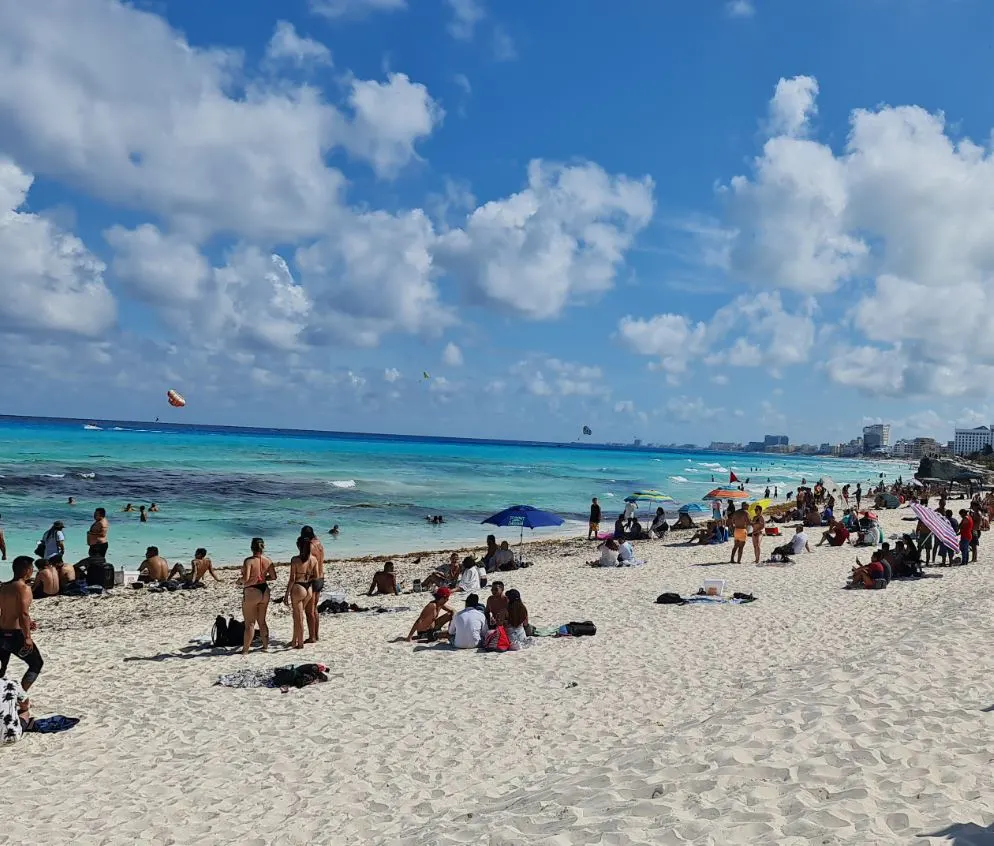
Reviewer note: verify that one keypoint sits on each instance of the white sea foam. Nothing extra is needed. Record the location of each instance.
(92, 428)
(54, 475)
(679, 479)
(343, 483)
(87, 475)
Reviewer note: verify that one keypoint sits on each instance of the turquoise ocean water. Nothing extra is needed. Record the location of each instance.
(219, 487)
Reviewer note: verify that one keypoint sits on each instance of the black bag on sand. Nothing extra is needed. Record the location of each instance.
(584, 629)
(670, 599)
(236, 632)
(219, 634)
(100, 573)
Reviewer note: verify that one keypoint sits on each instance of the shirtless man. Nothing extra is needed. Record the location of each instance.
(738, 522)
(200, 566)
(154, 568)
(46, 581)
(435, 616)
(3, 546)
(497, 605)
(16, 624)
(384, 582)
(317, 585)
(96, 537)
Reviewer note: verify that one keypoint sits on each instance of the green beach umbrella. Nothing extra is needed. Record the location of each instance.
(648, 496)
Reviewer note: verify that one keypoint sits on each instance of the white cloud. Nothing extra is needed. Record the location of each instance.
(162, 269)
(110, 99)
(390, 118)
(391, 374)
(503, 45)
(336, 9)
(690, 410)
(466, 14)
(452, 355)
(462, 81)
(553, 377)
(287, 46)
(740, 8)
(793, 105)
(374, 277)
(50, 282)
(559, 241)
(906, 203)
(624, 407)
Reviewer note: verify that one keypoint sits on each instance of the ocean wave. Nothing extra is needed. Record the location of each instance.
(343, 483)
(679, 479)
(609, 494)
(92, 428)
(713, 464)
(87, 475)
(53, 475)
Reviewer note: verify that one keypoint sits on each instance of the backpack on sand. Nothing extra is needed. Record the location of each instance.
(670, 599)
(219, 634)
(584, 629)
(497, 640)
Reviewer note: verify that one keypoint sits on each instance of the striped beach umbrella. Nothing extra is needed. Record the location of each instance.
(938, 525)
(648, 496)
(721, 493)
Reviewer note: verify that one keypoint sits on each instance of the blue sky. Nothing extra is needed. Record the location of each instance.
(676, 221)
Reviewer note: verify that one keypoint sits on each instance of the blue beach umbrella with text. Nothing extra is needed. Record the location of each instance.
(525, 517)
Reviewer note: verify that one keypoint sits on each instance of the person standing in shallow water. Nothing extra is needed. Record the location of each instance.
(257, 572)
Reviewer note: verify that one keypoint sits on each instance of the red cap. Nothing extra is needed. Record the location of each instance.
(443, 593)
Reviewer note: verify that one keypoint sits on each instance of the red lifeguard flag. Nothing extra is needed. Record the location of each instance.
(732, 478)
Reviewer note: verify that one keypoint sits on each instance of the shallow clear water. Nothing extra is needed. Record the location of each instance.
(218, 488)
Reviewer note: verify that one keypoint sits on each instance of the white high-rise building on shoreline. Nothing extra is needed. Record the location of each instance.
(968, 441)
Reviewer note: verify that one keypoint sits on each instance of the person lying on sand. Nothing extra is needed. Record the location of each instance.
(434, 617)
(154, 568)
(384, 582)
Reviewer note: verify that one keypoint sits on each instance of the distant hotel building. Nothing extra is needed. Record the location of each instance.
(968, 441)
(876, 437)
(776, 440)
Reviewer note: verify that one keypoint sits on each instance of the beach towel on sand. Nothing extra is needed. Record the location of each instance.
(53, 725)
(285, 677)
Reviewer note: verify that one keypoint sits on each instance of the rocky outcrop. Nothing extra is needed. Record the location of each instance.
(951, 470)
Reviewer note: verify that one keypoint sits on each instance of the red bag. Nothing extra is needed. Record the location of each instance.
(773, 531)
(497, 640)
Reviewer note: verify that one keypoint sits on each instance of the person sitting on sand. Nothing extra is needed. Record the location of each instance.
(200, 567)
(434, 616)
(619, 528)
(626, 553)
(835, 535)
(635, 530)
(384, 582)
(796, 545)
(46, 581)
(469, 626)
(517, 619)
(488, 556)
(685, 521)
(444, 575)
(868, 576)
(711, 533)
(497, 605)
(609, 554)
(659, 526)
(503, 558)
(154, 568)
(66, 573)
(469, 579)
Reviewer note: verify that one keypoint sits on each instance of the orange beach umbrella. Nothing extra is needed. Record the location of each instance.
(721, 493)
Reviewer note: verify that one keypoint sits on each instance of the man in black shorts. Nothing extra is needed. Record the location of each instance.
(16, 624)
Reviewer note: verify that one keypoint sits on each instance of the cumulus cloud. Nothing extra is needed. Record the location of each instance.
(906, 203)
(452, 355)
(558, 241)
(391, 374)
(161, 269)
(553, 377)
(287, 46)
(50, 281)
(624, 407)
(110, 98)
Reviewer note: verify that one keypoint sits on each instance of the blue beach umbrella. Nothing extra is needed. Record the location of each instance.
(693, 508)
(526, 517)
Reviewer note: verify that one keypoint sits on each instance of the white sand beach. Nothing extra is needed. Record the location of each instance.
(811, 715)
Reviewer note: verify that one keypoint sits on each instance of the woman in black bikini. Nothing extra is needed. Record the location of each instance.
(303, 571)
(257, 572)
